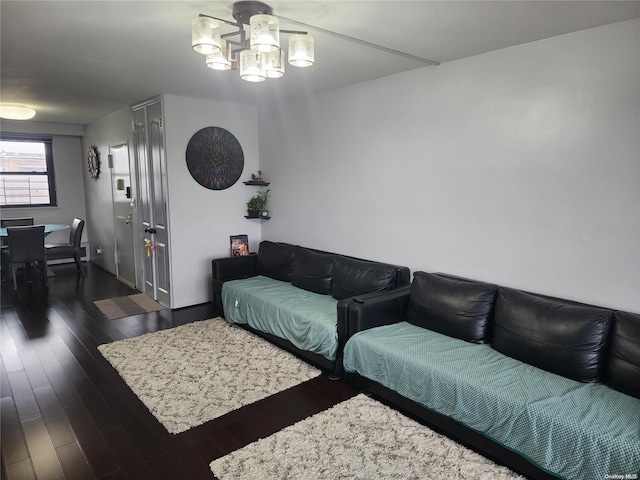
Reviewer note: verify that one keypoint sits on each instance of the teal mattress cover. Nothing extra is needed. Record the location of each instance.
(571, 429)
(306, 319)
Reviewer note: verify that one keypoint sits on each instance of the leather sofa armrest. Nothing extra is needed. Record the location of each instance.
(346, 304)
(234, 268)
(369, 311)
(343, 314)
(230, 268)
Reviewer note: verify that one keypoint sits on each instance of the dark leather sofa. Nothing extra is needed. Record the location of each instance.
(595, 347)
(326, 273)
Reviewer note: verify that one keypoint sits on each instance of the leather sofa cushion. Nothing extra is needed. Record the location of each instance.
(558, 336)
(454, 307)
(312, 271)
(275, 260)
(355, 277)
(623, 362)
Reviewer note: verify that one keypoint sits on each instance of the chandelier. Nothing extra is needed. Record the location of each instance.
(258, 55)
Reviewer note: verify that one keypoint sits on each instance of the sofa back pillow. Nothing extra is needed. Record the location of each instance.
(559, 336)
(355, 277)
(312, 271)
(623, 360)
(275, 260)
(454, 307)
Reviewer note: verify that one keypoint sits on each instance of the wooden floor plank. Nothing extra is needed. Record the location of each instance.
(68, 362)
(95, 404)
(54, 416)
(137, 433)
(25, 401)
(127, 454)
(74, 463)
(59, 381)
(164, 468)
(10, 356)
(20, 470)
(91, 441)
(91, 368)
(43, 455)
(5, 386)
(33, 368)
(14, 447)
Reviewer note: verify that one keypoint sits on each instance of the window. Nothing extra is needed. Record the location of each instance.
(26, 172)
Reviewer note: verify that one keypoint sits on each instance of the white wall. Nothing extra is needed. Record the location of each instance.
(68, 165)
(519, 166)
(201, 220)
(110, 130)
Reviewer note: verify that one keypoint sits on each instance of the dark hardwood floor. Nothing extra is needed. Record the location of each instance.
(66, 413)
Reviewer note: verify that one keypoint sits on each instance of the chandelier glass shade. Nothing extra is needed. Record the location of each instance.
(219, 61)
(265, 34)
(256, 53)
(205, 36)
(251, 66)
(274, 64)
(301, 50)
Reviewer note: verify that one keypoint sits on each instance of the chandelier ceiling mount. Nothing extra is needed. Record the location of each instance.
(243, 11)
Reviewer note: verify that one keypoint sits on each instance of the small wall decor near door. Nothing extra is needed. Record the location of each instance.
(93, 162)
(214, 158)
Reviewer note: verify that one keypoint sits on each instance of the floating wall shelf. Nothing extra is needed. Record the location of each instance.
(257, 183)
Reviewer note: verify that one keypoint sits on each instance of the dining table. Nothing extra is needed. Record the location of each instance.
(48, 228)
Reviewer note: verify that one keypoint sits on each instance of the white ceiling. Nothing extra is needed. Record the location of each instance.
(76, 61)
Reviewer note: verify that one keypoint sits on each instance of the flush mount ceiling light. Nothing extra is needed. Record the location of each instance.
(257, 54)
(16, 112)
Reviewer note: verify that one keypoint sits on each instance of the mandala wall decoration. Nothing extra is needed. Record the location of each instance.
(214, 158)
(93, 162)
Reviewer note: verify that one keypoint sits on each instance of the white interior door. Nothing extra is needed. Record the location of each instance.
(159, 230)
(123, 213)
(152, 200)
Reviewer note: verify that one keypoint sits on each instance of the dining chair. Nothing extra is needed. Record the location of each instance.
(71, 249)
(26, 245)
(16, 222)
(10, 222)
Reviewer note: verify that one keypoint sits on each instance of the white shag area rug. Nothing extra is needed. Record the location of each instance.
(357, 439)
(194, 373)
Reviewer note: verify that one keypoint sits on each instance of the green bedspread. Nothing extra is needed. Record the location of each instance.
(572, 429)
(306, 319)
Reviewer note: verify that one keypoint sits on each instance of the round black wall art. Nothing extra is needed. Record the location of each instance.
(214, 158)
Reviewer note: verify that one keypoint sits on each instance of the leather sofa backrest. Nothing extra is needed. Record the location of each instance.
(275, 260)
(623, 358)
(452, 306)
(312, 271)
(402, 275)
(350, 276)
(355, 277)
(559, 336)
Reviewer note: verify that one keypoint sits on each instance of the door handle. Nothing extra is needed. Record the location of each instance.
(150, 230)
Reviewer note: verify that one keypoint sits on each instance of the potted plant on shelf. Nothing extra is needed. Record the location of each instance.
(257, 205)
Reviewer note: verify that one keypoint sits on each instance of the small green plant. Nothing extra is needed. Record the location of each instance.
(258, 203)
(254, 204)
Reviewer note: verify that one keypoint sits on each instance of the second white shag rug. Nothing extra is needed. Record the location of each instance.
(194, 373)
(357, 439)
